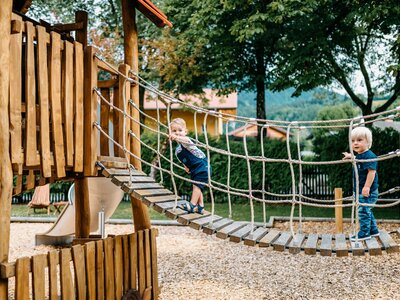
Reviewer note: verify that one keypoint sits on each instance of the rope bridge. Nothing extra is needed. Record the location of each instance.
(133, 181)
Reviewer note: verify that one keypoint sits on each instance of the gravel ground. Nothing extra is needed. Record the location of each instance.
(193, 265)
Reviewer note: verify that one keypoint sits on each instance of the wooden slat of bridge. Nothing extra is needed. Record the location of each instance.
(153, 194)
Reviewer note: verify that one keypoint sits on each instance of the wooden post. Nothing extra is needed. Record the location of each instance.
(339, 210)
(140, 212)
(90, 112)
(82, 208)
(6, 180)
(81, 35)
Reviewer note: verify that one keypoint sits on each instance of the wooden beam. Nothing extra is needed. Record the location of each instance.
(81, 33)
(82, 208)
(6, 180)
(140, 212)
(90, 112)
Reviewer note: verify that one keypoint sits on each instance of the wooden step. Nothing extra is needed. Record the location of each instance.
(296, 242)
(224, 233)
(253, 238)
(120, 180)
(161, 207)
(154, 200)
(217, 225)
(341, 248)
(387, 242)
(238, 235)
(199, 223)
(134, 187)
(271, 236)
(326, 245)
(373, 246)
(310, 247)
(280, 243)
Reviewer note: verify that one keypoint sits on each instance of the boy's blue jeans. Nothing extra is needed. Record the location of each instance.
(365, 215)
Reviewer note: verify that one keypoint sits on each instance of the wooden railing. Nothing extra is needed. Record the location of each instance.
(46, 101)
(103, 269)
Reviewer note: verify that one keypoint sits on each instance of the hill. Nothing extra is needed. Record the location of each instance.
(282, 106)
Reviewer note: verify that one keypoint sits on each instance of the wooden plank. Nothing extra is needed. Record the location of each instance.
(149, 201)
(120, 180)
(109, 268)
(357, 248)
(18, 185)
(175, 213)
(310, 247)
(30, 98)
(151, 192)
(43, 94)
(100, 269)
(53, 274)
(118, 261)
(224, 232)
(80, 273)
(341, 245)
(55, 100)
(129, 188)
(326, 245)
(185, 219)
(133, 265)
(68, 101)
(387, 242)
(238, 235)
(125, 256)
(163, 206)
(67, 285)
(91, 134)
(256, 236)
(271, 236)
(110, 172)
(373, 246)
(115, 164)
(22, 268)
(199, 223)
(78, 107)
(30, 180)
(283, 240)
(38, 275)
(16, 97)
(211, 228)
(147, 253)
(296, 242)
(116, 120)
(154, 265)
(104, 122)
(141, 263)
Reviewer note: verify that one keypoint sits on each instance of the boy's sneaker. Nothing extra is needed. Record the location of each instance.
(375, 233)
(361, 237)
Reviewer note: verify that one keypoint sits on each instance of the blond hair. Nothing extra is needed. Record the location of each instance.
(362, 132)
(179, 121)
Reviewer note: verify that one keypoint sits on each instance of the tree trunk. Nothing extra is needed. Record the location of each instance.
(260, 86)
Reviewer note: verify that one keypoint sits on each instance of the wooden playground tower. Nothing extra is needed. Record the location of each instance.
(48, 108)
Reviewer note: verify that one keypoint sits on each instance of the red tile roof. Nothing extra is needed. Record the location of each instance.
(152, 13)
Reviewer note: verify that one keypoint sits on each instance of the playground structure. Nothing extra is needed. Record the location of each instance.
(60, 134)
(48, 108)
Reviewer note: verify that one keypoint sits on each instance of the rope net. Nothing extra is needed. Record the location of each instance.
(166, 166)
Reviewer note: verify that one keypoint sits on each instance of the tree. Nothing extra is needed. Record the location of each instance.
(227, 45)
(331, 41)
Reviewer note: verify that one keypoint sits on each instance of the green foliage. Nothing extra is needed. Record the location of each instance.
(331, 145)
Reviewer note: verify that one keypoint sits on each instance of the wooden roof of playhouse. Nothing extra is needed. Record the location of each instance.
(146, 7)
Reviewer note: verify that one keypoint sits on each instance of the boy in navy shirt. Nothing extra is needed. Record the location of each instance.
(361, 142)
(195, 162)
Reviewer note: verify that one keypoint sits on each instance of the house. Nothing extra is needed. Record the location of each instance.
(250, 130)
(209, 100)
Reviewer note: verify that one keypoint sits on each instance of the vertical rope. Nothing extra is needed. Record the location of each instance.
(159, 142)
(263, 178)
(171, 154)
(356, 183)
(249, 177)
(209, 167)
(300, 230)
(293, 176)
(228, 179)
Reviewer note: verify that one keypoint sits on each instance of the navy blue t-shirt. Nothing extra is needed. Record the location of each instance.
(363, 168)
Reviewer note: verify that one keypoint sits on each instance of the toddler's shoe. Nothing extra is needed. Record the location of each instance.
(200, 209)
(374, 233)
(361, 237)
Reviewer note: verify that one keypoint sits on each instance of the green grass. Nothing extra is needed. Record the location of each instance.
(240, 212)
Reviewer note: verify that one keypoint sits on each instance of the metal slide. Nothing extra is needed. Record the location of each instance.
(103, 196)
